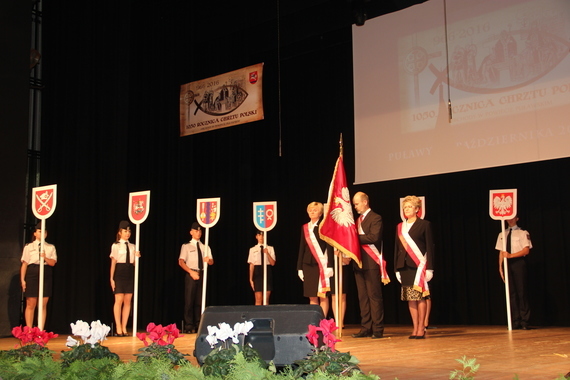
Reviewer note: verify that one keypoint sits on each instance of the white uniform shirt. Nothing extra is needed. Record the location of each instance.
(255, 257)
(31, 253)
(189, 254)
(519, 240)
(119, 251)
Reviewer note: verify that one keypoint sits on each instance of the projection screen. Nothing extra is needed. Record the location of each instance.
(497, 93)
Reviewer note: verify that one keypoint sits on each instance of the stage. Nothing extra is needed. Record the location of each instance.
(541, 353)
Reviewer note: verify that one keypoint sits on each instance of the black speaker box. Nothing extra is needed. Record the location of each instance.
(278, 331)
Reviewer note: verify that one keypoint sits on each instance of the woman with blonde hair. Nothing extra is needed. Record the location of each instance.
(315, 260)
(413, 262)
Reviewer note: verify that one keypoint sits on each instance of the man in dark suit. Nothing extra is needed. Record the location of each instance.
(368, 278)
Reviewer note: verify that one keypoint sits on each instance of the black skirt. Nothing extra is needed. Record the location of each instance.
(33, 281)
(124, 278)
(258, 278)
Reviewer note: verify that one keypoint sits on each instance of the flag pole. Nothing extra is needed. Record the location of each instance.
(264, 262)
(338, 277)
(506, 275)
(136, 292)
(205, 270)
(42, 269)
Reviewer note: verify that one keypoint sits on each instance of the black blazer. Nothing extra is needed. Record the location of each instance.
(421, 234)
(372, 227)
(305, 254)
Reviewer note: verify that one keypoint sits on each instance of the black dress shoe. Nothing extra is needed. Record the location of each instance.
(412, 337)
(527, 328)
(362, 334)
(517, 327)
(377, 336)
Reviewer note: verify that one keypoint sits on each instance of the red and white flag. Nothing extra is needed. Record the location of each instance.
(338, 227)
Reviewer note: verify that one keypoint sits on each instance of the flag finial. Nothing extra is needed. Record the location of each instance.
(340, 145)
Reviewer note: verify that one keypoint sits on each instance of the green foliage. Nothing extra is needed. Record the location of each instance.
(329, 362)
(84, 352)
(220, 361)
(470, 367)
(31, 368)
(166, 352)
(96, 369)
(28, 351)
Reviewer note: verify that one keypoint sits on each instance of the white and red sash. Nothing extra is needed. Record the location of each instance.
(378, 259)
(420, 282)
(320, 258)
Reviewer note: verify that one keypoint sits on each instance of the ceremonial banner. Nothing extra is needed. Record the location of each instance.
(43, 205)
(222, 101)
(503, 204)
(139, 206)
(44, 201)
(208, 211)
(338, 227)
(265, 215)
(421, 212)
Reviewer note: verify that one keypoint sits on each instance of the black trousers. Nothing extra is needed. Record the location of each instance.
(368, 283)
(192, 301)
(520, 309)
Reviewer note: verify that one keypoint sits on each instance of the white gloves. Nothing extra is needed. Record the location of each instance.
(399, 277)
(429, 274)
(329, 272)
(301, 275)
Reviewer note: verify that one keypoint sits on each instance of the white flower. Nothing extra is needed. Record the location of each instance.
(71, 342)
(92, 341)
(212, 340)
(99, 331)
(224, 332)
(243, 328)
(81, 329)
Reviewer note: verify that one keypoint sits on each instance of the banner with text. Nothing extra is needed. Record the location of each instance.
(222, 101)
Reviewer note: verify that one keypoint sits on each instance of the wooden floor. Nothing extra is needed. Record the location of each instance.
(534, 354)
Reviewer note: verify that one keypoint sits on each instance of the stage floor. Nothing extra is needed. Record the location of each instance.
(541, 353)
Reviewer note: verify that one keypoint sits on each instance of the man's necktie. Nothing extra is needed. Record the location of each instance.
(128, 253)
(200, 259)
(261, 250)
(509, 238)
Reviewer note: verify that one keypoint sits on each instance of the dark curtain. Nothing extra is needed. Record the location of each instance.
(110, 126)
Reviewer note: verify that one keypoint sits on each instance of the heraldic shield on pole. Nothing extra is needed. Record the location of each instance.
(264, 219)
(139, 207)
(44, 200)
(503, 206)
(207, 214)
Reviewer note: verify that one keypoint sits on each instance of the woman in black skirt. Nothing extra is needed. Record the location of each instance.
(413, 262)
(30, 275)
(122, 276)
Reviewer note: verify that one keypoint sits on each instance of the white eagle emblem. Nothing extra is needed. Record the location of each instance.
(502, 204)
(343, 214)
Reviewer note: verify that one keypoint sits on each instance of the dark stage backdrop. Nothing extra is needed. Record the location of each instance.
(110, 127)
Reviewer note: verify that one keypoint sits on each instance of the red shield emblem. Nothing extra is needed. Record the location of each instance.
(44, 201)
(139, 206)
(265, 215)
(253, 77)
(503, 204)
(208, 211)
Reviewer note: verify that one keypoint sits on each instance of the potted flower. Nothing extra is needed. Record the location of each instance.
(161, 345)
(33, 343)
(325, 357)
(92, 336)
(221, 360)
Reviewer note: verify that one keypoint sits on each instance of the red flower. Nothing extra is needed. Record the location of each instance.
(29, 335)
(313, 335)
